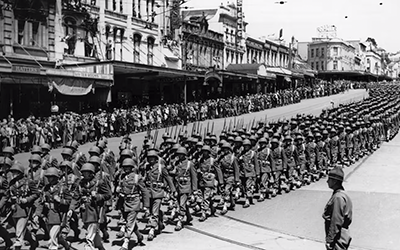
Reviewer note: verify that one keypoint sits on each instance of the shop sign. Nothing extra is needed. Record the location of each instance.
(79, 74)
(25, 69)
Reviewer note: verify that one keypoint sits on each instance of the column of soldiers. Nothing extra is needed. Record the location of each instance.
(192, 175)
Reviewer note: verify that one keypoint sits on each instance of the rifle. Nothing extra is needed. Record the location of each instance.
(230, 124)
(208, 127)
(223, 127)
(212, 128)
(155, 138)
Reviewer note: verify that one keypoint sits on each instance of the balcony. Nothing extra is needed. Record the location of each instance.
(116, 15)
(145, 24)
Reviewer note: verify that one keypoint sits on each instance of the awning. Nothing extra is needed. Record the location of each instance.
(71, 86)
(258, 69)
(279, 71)
(288, 79)
(212, 74)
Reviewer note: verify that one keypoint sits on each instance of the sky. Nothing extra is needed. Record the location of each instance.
(301, 18)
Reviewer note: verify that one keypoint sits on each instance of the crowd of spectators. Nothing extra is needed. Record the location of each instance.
(58, 129)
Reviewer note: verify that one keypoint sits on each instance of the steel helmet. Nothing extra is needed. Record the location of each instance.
(67, 151)
(274, 140)
(165, 136)
(206, 148)
(73, 144)
(52, 171)
(101, 144)
(5, 161)
(94, 150)
(36, 158)
(46, 147)
(181, 151)
(176, 146)
(17, 167)
(67, 164)
(9, 150)
(170, 141)
(252, 138)
(152, 153)
(263, 140)
(128, 163)
(95, 159)
(238, 139)
(200, 144)
(36, 150)
(88, 167)
(288, 138)
(127, 153)
(246, 142)
(226, 145)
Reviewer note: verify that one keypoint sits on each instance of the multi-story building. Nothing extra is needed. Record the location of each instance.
(255, 51)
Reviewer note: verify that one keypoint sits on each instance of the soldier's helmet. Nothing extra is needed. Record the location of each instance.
(275, 140)
(72, 145)
(67, 164)
(36, 150)
(206, 148)
(66, 151)
(95, 160)
(253, 138)
(238, 139)
(46, 147)
(5, 161)
(263, 140)
(94, 150)
(127, 153)
(170, 141)
(227, 145)
(199, 144)
(88, 167)
(9, 150)
(128, 163)
(102, 144)
(176, 146)
(288, 138)
(246, 142)
(17, 167)
(165, 136)
(52, 171)
(181, 151)
(318, 135)
(35, 158)
(299, 138)
(152, 153)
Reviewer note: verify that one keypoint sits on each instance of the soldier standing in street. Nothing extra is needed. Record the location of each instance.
(264, 161)
(338, 213)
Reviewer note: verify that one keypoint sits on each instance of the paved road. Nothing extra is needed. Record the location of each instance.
(293, 221)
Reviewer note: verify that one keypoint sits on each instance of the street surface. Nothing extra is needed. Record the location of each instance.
(293, 221)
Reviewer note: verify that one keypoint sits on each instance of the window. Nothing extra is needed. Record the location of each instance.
(136, 48)
(121, 6)
(316, 66)
(322, 52)
(335, 51)
(317, 52)
(34, 41)
(150, 46)
(21, 31)
(70, 35)
(335, 65)
(312, 53)
(322, 65)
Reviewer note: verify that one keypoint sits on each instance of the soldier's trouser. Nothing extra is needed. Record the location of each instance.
(154, 219)
(54, 235)
(93, 238)
(22, 232)
(228, 190)
(183, 208)
(249, 184)
(264, 182)
(277, 177)
(130, 218)
(5, 235)
(207, 194)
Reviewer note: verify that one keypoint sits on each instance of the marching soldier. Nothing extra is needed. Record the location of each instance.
(53, 208)
(311, 155)
(289, 168)
(5, 212)
(209, 176)
(130, 190)
(230, 170)
(278, 159)
(155, 176)
(264, 161)
(48, 160)
(249, 171)
(22, 196)
(90, 199)
(301, 167)
(186, 183)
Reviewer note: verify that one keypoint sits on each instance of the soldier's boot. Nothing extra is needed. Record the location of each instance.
(261, 198)
(251, 200)
(189, 217)
(121, 232)
(203, 217)
(151, 234)
(274, 192)
(237, 194)
(139, 236)
(146, 214)
(125, 245)
(178, 226)
(224, 209)
(246, 204)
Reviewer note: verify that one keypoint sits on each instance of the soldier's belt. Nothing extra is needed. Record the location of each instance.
(157, 185)
(131, 196)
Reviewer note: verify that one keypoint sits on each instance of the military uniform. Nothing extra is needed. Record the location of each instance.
(230, 170)
(266, 178)
(249, 171)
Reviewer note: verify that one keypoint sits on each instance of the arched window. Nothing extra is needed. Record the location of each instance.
(136, 47)
(150, 47)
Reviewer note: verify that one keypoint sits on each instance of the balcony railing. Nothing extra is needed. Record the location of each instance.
(146, 24)
(116, 14)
